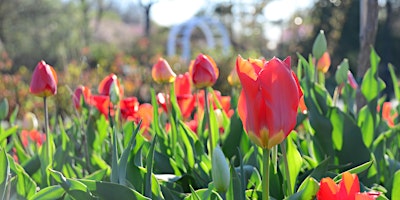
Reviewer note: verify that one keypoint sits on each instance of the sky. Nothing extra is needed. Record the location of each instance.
(172, 12)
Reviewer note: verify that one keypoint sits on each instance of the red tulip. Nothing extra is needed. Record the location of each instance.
(44, 80)
(81, 92)
(184, 94)
(105, 84)
(129, 108)
(162, 72)
(204, 71)
(324, 63)
(348, 189)
(269, 99)
(102, 103)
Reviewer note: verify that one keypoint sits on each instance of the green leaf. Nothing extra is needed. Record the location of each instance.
(396, 87)
(319, 46)
(26, 186)
(234, 137)
(235, 190)
(337, 125)
(396, 186)
(295, 160)
(14, 114)
(4, 135)
(372, 85)
(356, 170)
(107, 190)
(366, 123)
(307, 190)
(51, 192)
(4, 172)
(149, 167)
(72, 187)
(4, 108)
(341, 72)
(123, 161)
(203, 194)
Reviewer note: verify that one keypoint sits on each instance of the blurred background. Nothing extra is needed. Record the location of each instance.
(85, 40)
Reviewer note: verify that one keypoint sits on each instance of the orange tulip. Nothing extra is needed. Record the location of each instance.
(204, 71)
(324, 63)
(269, 99)
(80, 91)
(348, 189)
(44, 80)
(162, 72)
(105, 85)
(388, 115)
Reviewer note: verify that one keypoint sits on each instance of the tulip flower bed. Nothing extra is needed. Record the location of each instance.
(280, 135)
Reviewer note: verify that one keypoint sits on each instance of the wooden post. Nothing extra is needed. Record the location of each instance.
(368, 28)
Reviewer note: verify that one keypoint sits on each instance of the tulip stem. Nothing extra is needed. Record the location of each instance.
(207, 118)
(48, 159)
(285, 160)
(265, 178)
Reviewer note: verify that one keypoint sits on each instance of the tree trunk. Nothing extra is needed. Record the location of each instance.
(368, 30)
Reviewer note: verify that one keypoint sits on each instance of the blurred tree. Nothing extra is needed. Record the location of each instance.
(31, 30)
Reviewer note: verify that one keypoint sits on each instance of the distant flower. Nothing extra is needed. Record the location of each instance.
(81, 92)
(324, 63)
(32, 136)
(233, 78)
(30, 121)
(105, 85)
(44, 80)
(347, 189)
(162, 72)
(268, 103)
(204, 71)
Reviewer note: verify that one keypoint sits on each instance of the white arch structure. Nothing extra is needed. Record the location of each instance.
(181, 34)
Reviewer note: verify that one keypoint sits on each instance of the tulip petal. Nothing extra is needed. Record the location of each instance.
(327, 190)
(280, 95)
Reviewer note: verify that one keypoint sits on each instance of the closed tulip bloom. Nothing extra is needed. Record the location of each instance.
(324, 63)
(162, 72)
(269, 99)
(105, 85)
(81, 92)
(204, 71)
(44, 80)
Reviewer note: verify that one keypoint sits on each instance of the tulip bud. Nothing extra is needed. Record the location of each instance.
(324, 63)
(44, 80)
(233, 78)
(341, 72)
(30, 121)
(114, 93)
(80, 92)
(162, 72)
(220, 117)
(204, 71)
(352, 81)
(220, 170)
(319, 46)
